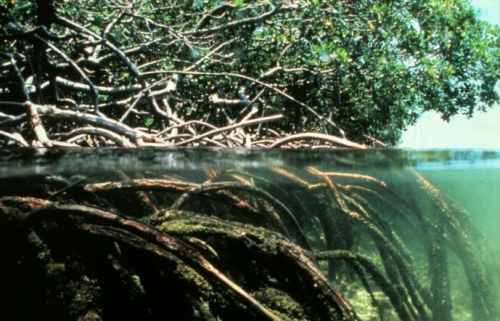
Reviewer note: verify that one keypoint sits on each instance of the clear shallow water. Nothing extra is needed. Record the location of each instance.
(477, 190)
(425, 219)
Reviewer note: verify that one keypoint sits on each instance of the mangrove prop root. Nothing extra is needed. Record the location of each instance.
(236, 244)
(221, 188)
(286, 214)
(168, 243)
(366, 266)
(41, 215)
(274, 255)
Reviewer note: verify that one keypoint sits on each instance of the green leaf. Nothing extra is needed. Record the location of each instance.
(148, 121)
(198, 4)
(195, 53)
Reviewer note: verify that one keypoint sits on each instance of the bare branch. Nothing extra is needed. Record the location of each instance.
(324, 137)
(95, 120)
(237, 23)
(36, 124)
(102, 89)
(226, 128)
(119, 140)
(93, 89)
(15, 137)
(256, 81)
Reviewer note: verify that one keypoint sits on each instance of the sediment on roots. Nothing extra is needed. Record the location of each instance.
(235, 243)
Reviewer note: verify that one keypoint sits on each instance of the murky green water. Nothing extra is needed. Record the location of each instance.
(403, 235)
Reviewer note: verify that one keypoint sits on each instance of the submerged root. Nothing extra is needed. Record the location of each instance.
(233, 245)
(145, 257)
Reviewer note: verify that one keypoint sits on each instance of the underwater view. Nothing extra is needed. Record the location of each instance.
(215, 234)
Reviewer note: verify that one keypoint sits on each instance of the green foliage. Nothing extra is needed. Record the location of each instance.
(370, 66)
(148, 121)
(393, 60)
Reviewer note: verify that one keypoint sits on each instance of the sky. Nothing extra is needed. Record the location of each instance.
(481, 131)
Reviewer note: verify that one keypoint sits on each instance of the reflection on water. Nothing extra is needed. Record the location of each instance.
(403, 235)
